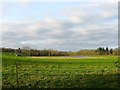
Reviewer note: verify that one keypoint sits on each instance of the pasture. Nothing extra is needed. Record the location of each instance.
(59, 72)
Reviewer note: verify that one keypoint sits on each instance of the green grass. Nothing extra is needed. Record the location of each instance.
(59, 72)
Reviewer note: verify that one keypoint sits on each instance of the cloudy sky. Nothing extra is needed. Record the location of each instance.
(59, 25)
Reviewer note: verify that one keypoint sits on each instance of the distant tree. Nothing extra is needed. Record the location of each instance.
(107, 50)
(10, 50)
(100, 50)
(111, 51)
(103, 49)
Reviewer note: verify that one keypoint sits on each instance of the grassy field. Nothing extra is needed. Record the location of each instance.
(59, 72)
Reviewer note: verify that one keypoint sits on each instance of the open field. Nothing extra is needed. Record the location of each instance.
(59, 72)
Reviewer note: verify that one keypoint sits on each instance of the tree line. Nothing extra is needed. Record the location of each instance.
(103, 51)
(50, 52)
(35, 52)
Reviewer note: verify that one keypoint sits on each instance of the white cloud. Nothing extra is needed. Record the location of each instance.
(86, 26)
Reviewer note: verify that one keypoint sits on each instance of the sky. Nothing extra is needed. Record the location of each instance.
(66, 26)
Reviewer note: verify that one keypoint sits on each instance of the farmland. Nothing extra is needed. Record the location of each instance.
(59, 72)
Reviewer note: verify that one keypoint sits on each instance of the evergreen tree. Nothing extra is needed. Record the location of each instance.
(103, 51)
(111, 51)
(107, 50)
(100, 50)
